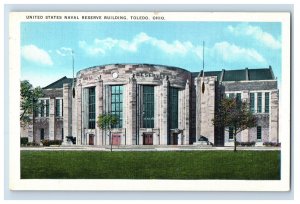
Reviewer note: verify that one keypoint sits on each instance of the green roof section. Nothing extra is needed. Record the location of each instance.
(260, 74)
(234, 75)
(240, 74)
(59, 83)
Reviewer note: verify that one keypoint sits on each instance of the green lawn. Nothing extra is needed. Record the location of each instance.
(254, 165)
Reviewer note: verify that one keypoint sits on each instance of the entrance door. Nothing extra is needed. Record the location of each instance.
(116, 139)
(148, 139)
(91, 139)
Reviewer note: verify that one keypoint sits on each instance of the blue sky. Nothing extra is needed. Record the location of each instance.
(46, 46)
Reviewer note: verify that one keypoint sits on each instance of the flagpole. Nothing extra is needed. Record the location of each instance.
(203, 86)
(203, 57)
(73, 87)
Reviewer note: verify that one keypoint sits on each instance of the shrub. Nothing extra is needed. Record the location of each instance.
(245, 144)
(33, 144)
(24, 141)
(47, 143)
(271, 144)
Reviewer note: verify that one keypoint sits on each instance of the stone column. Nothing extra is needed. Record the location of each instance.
(131, 134)
(198, 108)
(245, 133)
(79, 114)
(67, 110)
(164, 112)
(274, 108)
(186, 140)
(99, 109)
(52, 127)
(207, 110)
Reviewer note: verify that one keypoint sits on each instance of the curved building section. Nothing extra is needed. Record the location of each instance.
(151, 103)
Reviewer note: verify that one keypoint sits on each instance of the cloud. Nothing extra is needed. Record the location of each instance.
(256, 33)
(101, 46)
(34, 54)
(223, 52)
(64, 51)
(233, 53)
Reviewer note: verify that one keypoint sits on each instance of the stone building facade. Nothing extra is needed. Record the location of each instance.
(155, 105)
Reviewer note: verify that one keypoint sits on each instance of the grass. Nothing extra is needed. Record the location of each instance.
(252, 165)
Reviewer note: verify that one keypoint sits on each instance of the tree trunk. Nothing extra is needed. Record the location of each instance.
(110, 141)
(234, 136)
(21, 117)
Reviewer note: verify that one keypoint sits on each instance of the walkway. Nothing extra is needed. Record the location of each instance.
(147, 148)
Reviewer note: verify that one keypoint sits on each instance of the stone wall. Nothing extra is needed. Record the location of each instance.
(205, 107)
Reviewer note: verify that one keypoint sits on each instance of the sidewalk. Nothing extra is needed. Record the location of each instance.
(147, 148)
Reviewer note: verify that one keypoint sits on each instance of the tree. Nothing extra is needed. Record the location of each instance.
(234, 113)
(106, 122)
(29, 101)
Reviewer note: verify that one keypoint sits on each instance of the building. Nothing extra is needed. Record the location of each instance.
(155, 104)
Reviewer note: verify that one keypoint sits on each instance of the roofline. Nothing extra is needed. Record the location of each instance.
(250, 81)
(145, 64)
(53, 83)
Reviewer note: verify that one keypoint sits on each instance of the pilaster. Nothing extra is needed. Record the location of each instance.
(131, 134)
(187, 114)
(52, 127)
(164, 112)
(79, 113)
(67, 110)
(245, 133)
(198, 107)
(99, 110)
(274, 108)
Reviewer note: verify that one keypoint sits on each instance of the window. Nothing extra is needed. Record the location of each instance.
(42, 108)
(47, 107)
(148, 105)
(173, 107)
(231, 133)
(62, 134)
(92, 109)
(267, 101)
(57, 107)
(252, 102)
(231, 95)
(259, 106)
(117, 104)
(239, 99)
(258, 133)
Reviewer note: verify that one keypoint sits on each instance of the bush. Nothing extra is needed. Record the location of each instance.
(245, 144)
(33, 144)
(24, 141)
(47, 143)
(271, 144)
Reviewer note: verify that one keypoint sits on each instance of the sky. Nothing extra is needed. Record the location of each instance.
(46, 47)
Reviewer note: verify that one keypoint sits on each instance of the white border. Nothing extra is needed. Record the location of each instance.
(152, 185)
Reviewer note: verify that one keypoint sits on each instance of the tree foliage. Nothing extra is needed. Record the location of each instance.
(234, 113)
(29, 101)
(106, 122)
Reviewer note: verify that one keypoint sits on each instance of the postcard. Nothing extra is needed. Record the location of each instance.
(149, 101)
